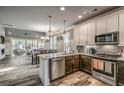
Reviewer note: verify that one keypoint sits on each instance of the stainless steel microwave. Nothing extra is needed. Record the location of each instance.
(107, 38)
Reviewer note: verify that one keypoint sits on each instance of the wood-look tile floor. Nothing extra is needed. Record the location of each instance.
(18, 71)
(78, 78)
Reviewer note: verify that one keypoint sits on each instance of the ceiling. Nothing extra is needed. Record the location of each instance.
(20, 33)
(35, 18)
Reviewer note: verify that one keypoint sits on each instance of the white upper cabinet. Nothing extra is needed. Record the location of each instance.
(83, 34)
(91, 33)
(112, 22)
(121, 28)
(106, 24)
(76, 33)
(101, 25)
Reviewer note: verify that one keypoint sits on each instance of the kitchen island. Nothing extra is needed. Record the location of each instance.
(47, 68)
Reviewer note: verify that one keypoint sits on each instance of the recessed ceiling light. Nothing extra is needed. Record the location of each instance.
(80, 16)
(62, 8)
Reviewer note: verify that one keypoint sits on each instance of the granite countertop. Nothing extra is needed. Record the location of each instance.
(121, 58)
(95, 56)
(55, 55)
(58, 55)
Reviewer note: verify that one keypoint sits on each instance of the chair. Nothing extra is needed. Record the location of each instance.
(34, 59)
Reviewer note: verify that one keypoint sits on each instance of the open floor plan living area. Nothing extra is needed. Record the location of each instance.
(61, 45)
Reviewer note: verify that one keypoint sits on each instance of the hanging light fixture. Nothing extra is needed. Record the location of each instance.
(49, 34)
(64, 26)
(64, 36)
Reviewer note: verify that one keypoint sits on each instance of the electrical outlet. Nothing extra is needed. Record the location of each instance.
(122, 50)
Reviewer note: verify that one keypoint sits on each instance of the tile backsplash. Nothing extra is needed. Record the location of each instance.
(107, 48)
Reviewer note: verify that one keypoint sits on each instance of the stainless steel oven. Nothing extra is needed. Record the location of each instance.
(104, 70)
(107, 38)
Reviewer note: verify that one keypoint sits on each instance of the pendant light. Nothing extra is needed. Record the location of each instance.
(49, 34)
(64, 26)
(64, 36)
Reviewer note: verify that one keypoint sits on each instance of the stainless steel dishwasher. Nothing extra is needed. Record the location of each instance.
(57, 68)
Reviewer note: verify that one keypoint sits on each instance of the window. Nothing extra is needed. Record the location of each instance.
(41, 44)
(22, 44)
(29, 44)
(34, 44)
(25, 44)
(51, 43)
(66, 42)
(55, 42)
(16, 44)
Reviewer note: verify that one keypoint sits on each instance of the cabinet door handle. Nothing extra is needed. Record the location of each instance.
(59, 59)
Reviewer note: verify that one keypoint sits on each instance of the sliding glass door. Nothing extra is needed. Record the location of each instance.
(24, 46)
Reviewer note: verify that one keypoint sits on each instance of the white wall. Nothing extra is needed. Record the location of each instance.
(8, 46)
(2, 32)
(46, 46)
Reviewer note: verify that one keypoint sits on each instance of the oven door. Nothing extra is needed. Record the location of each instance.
(106, 68)
(98, 65)
(109, 68)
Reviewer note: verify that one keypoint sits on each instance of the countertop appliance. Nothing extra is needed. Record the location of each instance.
(107, 38)
(57, 68)
(92, 50)
(105, 67)
(80, 48)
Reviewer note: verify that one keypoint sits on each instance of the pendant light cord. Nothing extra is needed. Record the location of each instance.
(64, 35)
(64, 26)
(50, 23)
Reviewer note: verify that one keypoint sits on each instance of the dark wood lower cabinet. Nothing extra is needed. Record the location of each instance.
(76, 65)
(71, 64)
(120, 73)
(85, 63)
(68, 66)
